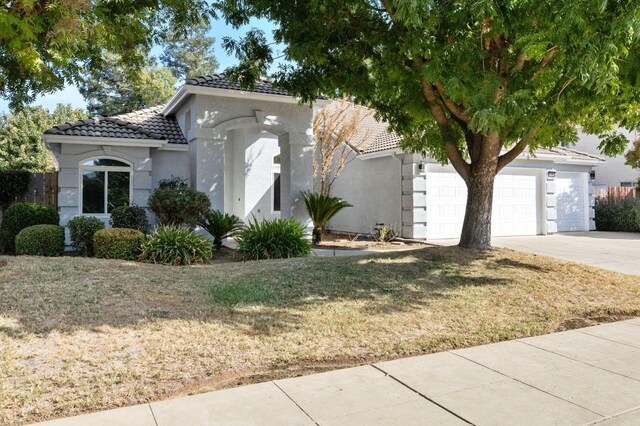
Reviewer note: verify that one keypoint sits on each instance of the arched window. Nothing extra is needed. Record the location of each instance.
(105, 185)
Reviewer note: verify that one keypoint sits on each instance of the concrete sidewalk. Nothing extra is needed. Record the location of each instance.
(579, 377)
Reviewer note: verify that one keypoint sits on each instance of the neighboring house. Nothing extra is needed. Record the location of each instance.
(249, 151)
(544, 192)
(614, 171)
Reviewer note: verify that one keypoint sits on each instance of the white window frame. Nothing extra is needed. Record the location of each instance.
(82, 168)
(275, 169)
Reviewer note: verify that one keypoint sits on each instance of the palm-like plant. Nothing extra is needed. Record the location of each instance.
(221, 225)
(321, 208)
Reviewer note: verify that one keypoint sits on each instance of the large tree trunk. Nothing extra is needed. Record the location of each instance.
(476, 228)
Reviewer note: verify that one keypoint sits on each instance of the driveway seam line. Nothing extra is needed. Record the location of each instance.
(153, 414)
(532, 386)
(422, 395)
(297, 405)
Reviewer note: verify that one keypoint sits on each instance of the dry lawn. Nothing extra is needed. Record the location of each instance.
(80, 335)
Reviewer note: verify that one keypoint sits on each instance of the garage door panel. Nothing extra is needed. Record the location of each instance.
(515, 204)
(570, 202)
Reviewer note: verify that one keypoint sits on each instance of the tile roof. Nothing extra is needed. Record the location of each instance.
(375, 136)
(218, 81)
(146, 123)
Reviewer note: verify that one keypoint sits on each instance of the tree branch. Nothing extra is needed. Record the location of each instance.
(453, 153)
(455, 109)
(518, 149)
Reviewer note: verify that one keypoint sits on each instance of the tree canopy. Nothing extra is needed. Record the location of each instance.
(46, 44)
(190, 55)
(474, 83)
(21, 144)
(113, 89)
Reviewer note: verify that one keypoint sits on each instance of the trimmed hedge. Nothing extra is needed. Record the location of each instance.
(81, 232)
(40, 240)
(618, 215)
(118, 243)
(173, 245)
(23, 215)
(131, 217)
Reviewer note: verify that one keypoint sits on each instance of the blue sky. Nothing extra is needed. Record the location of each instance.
(219, 30)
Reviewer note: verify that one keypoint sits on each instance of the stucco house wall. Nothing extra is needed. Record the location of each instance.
(373, 188)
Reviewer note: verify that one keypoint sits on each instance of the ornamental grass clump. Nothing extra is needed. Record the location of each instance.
(273, 239)
(174, 245)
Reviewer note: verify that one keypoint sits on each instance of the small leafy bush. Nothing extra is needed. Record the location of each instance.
(621, 215)
(321, 209)
(173, 245)
(81, 232)
(13, 184)
(22, 215)
(40, 240)
(118, 243)
(131, 217)
(221, 225)
(273, 239)
(175, 203)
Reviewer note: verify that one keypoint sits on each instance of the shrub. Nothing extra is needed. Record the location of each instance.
(273, 239)
(81, 232)
(221, 225)
(13, 184)
(118, 243)
(40, 240)
(618, 215)
(173, 245)
(321, 208)
(22, 215)
(130, 217)
(175, 203)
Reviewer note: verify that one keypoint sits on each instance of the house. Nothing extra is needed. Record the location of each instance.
(249, 151)
(543, 192)
(613, 171)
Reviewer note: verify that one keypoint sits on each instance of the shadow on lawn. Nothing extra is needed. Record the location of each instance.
(263, 297)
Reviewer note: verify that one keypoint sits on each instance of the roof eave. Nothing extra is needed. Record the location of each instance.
(176, 100)
(93, 140)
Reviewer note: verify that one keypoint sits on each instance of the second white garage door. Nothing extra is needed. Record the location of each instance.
(515, 204)
(571, 202)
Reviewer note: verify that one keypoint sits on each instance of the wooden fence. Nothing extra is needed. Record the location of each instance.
(43, 189)
(622, 192)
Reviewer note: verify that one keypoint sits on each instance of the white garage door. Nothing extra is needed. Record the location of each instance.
(515, 204)
(570, 201)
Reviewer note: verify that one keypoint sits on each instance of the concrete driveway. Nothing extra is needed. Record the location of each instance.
(616, 251)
